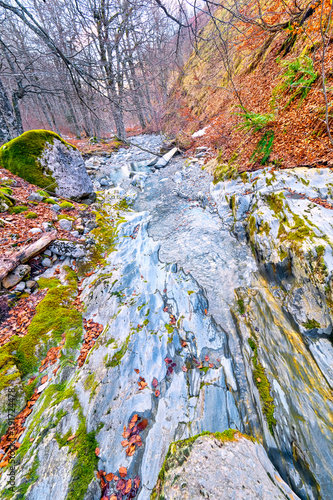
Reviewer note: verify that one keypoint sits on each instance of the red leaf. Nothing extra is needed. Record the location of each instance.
(157, 393)
(184, 368)
(121, 484)
(143, 424)
(168, 361)
(206, 358)
(155, 382)
(137, 482)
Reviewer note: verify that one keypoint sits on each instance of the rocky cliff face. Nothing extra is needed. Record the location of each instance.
(215, 306)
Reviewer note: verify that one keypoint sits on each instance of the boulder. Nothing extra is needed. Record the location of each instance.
(66, 224)
(228, 466)
(16, 276)
(41, 157)
(67, 248)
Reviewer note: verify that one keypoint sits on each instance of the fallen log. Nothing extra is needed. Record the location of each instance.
(10, 261)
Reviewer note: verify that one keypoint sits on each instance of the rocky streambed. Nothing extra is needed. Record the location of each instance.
(215, 306)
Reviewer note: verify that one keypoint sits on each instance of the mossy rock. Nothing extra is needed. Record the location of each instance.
(20, 156)
(43, 158)
(31, 215)
(18, 209)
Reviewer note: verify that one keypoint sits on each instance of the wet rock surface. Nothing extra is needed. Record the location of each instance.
(214, 317)
(209, 468)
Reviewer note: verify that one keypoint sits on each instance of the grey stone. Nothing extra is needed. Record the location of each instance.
(35, 197)
(67, 248)
(16, 276)
(47, 262)
(67, 167)
(47, 226)
(75, 233)
(56, 207)
(65, 224)
(35, 230)
(238, 469)
(47, 251)
(104, 182)
(20, 287)
(30, 284)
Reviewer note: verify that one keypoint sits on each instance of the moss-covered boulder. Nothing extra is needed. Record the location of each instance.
(41, 157)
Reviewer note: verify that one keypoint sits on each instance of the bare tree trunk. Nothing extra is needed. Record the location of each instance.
(72, 115)
(8, 125)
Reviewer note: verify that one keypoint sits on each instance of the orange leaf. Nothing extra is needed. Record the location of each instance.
(97, 451)
(128, 487)
(124, 443)
(157, 393)
(136, 370)
(109, 476)
(122, 472)
(71, 437)
(205, 311)
(44, 379)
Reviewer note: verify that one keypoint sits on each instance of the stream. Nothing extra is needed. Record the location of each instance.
(185, 289)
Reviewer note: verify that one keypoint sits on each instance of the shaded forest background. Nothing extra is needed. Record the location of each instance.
(256, 74)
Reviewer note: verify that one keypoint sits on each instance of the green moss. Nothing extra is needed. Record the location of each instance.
(18, 209)
(55, 315)
(263, 387)
(241, 307)
(275, 202)
(31, 215)
(122, 205)
(6, 190)
(89, 381)
(64, 216)
(169, 328)
(21, 155)
(43, 193)
(65, 205)
(51, 201)
(311, 324)
(204, 369)
(117, 357)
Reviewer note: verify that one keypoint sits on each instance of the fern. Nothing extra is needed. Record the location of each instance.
(254, 121)
(298, 78)
(263, 148)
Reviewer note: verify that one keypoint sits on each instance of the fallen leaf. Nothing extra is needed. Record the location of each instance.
(137, 482)
(128, 486)
(157, 393)
(211, 365)
(155, 382)
(44, 379)
(100, 474)
(97, 451)
(184, 368)
(143, 424)
(71, 437)
(124, 443)
(136, 370)
(109, 476)
(206, 311)
(206, 358)
(121, 484)
(122, 472)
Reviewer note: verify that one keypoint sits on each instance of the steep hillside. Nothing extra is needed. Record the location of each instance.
(275, 78)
